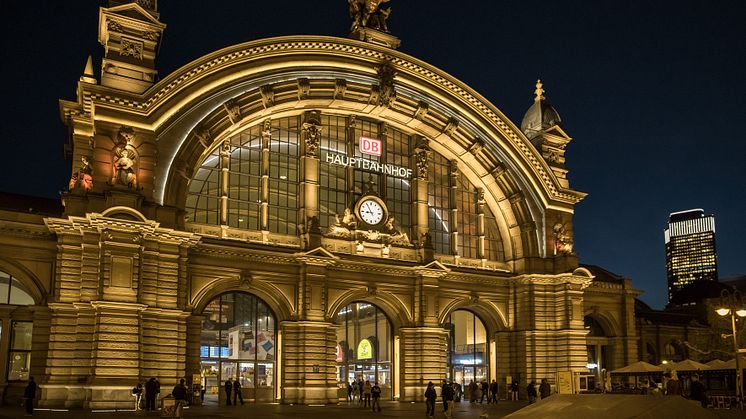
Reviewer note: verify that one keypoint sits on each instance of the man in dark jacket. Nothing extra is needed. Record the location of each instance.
(375, 392)
(237, 392)
(493, 392)
(699, 392)
(531, 390)
(447, 394)
(443, 395)
(545, 389)
(179, 392)
(29, 394)
(485, 392)
(228, 388)
(151, 389)
(430, 396)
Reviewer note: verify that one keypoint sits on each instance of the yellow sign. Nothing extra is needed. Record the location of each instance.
(564, 382)
(364, 349)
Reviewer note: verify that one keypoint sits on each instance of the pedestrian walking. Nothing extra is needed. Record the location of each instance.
(430, 396)
(228, 390)
(447, 395)
(699, 392)
(237, 394)
(151, 392)
(673, 385)
(443, 395)
(179, 392)
(29, 394)
(485, 394)
(545, 390)
(360, 391)
(531, 390)
(493, 391)
(137, 394)
(366, 393)
(472, 392)
(375, 392)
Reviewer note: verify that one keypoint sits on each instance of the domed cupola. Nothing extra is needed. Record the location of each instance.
(542, 126)
(540, 116)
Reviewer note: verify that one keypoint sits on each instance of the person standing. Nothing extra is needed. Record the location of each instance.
(237, 392)
(673, 386)
(366, 394)
(545, 390)
(514, 390)
(443, 395)
(29, 394)
(375, 392)
(228, 389)
(493, 392)
(448, 393)
(349, 391)
(137, 394)
(150, 394)
(430, 396)
(699, 392)
(531, 390)
(472, 392)
(179, 392)
(485, 392)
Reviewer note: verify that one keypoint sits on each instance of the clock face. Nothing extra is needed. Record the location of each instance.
(371, 212)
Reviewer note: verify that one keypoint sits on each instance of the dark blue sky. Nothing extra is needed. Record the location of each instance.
(651, 91)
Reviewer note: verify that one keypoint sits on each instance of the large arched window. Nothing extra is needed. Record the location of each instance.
(364, 346)
(238, 343)
(252, 181)
(468, 357)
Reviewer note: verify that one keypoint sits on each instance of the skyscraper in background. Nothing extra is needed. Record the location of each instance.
(690, 249)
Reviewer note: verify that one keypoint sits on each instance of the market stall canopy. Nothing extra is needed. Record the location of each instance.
(731, 364)
(639, 367)
(687, 365)
(716, 364)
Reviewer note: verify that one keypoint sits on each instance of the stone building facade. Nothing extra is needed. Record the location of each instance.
(296, 212)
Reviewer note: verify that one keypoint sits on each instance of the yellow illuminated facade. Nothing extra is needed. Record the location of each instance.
(295, 213)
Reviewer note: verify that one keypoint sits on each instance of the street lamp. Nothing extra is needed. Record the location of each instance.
(733, 304)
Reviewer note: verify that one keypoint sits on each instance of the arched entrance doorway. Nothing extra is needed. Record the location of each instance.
(599, 355)
(238, 343)
(468, 352)
(365, 347)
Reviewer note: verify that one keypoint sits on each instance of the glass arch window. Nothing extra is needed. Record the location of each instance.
(364, 347)
(21, 332)
(253, 181)
(468, 357)
(238, 342)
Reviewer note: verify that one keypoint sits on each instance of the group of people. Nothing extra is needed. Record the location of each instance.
(480, 392)
(233, 387)
(545, 390)
(365, 394)
(145, 398)
(449, 392)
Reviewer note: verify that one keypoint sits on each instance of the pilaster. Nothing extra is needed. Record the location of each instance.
(308, 375)
(423, 359)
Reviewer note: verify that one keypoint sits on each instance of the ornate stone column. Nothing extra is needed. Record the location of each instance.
(419, 186)
(309, 167)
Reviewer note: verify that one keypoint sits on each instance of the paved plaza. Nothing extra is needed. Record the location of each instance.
(463, 410)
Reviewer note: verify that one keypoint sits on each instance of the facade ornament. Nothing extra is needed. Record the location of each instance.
(131, 48)
(203, 135)
(125, 159)
(314, 227)
(304, 88)
(386, 92)
(340, 87)
(562, 240)
(480, 195)
(368, 14)
(450, 127)
(83, 177)
(267, 129)
(421, 111)
(499, 171)
(225, 148)
(476, 146)
(422, 157)
(151, 35)
(312, 133)
(233, 110)
(427, 241)
(268, 96)
(539, 92)
(396, 235)
(245, 280)
(113, 25)
(453, 168)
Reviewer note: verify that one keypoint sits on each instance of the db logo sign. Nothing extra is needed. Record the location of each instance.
(370, 146)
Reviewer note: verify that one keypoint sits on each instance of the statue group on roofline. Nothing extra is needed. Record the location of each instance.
(368, 14)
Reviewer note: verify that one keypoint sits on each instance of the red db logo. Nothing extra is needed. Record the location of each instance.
(370, 146)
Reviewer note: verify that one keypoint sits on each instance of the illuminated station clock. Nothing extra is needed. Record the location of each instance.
(371, 210)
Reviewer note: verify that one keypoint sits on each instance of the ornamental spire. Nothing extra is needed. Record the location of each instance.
(539, 92)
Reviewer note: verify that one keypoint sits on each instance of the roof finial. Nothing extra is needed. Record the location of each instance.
(539, 92)
(88, 76)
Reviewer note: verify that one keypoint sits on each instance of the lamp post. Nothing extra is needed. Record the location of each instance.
(733, 304)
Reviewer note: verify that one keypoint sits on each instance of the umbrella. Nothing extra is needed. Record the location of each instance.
(731, 364)
(639, 367)
(689, 365)
(716, 364)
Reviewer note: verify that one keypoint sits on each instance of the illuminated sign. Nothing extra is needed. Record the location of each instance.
(370, 165)
(370, 146)
(340, 353)
(364, 349)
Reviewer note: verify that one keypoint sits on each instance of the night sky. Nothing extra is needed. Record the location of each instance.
(652, 93)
